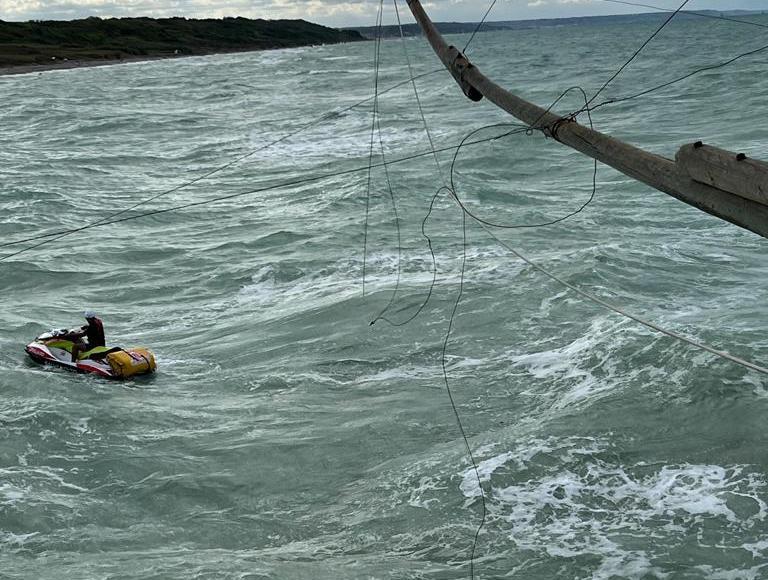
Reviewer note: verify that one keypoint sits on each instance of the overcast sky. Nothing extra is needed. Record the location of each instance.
(341, 12)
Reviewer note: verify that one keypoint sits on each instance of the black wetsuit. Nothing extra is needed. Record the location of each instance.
(95, 333)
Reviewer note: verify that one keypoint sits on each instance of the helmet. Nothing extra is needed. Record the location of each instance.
(89, 314)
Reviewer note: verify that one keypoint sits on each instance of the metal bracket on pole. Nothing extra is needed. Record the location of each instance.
(453, 59)
(457, 65)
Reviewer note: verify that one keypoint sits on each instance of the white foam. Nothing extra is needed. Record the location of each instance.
(635, 565)
(80, 425)
(585, 368)
(426, 485)
(753, 573)
(340, 281)
(17, 540)
(757, 549)
(10, 494)
(397, 374)
(570, 497)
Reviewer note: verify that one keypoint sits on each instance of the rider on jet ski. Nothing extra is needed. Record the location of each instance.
(93, 331)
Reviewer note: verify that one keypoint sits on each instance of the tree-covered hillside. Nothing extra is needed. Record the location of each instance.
(38, 42)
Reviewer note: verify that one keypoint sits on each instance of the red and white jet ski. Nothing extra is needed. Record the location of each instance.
(55, 347)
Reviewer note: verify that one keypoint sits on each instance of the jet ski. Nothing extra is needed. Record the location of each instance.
(55, 347)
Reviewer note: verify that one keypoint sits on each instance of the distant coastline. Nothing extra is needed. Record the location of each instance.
(36, 46)
(390, 31)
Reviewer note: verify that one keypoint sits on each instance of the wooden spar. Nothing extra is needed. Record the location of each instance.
(725, 170)
(742, 209)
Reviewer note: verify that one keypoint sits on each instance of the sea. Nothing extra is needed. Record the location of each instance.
(284, 436)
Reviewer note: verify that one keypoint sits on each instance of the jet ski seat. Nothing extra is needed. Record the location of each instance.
(98, 352)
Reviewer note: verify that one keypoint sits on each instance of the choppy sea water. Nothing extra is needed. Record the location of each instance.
(284, 436)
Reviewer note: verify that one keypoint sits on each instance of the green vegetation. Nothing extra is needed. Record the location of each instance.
(38, 42)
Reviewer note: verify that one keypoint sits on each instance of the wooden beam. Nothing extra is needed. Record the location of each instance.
(732, 172)
(658, 172)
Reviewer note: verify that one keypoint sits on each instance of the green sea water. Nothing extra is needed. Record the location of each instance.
(283, 436)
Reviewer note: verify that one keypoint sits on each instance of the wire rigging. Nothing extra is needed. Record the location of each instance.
(459, 422)
(412, 81)
(488, 225)
(289, 183)
(599, 301)
(376, 53)
(393, 201)
(57, 235)
(477, 218)
(589, 108)
(382, 315)
(636, 53)
(690, 12)
(677, 80)
(450, 189)
(479, 25)
(111, 219)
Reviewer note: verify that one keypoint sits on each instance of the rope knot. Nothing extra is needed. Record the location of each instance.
(555, 127)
